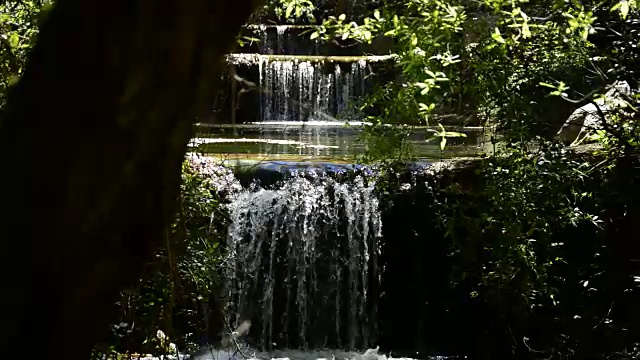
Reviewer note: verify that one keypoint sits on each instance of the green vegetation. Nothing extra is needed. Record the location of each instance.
(287, 11)
(492, 62)
(514, 230)
(178, 293)
(18, 30)
(519, 68)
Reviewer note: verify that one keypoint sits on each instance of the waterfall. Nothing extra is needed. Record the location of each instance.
(303, 261)
(280, 39)
(285, 40)
(269, 45)
(295, 90)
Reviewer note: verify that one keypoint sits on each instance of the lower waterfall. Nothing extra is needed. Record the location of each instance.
(303, 262)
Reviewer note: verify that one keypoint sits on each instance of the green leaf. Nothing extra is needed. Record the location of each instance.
(376, 14)
(342, 17)
(525, 30)
(13, 80)
(454, 134)
(585, 34)
(623, 7)
(14, 40)
(443, 143)
(425, 107)
(289, 10)
(497, 37)
(314, 35)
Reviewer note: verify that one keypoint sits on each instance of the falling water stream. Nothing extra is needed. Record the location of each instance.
(304, 257)
(302, 265)
(295, 90)
(303, 254)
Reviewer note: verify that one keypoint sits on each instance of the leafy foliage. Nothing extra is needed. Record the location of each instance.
(532, 249)
(493, 61)
(484, 61)
(288, 11)
(521, 220)
(18, 31)
(178, 294)
(542, 231)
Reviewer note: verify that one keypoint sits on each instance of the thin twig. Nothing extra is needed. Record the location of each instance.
(586, 97)
(605, 317)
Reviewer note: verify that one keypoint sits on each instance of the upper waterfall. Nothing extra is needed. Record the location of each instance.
(309, 88)
(320, 94)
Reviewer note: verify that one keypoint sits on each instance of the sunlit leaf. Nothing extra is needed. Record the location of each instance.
(526, 33)
(14, 40)
(289, 9)
(454, 134)
(573, 23)
(497, 36)
(623, 7)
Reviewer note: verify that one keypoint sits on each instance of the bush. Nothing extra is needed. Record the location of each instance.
(542, 248)
(179, 290)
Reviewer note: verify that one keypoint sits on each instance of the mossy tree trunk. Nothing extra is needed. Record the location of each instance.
(91, 145)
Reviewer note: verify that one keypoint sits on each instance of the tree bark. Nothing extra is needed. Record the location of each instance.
(91, 144)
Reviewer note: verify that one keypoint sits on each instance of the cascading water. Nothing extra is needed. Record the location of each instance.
(303, 259)
(285, 40)
(280, 30)
(277, 46)
(295, 90)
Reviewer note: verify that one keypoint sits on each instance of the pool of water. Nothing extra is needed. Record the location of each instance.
(249, 354)
(319, 141)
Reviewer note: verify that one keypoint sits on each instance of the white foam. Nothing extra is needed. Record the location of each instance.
(248, 354)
